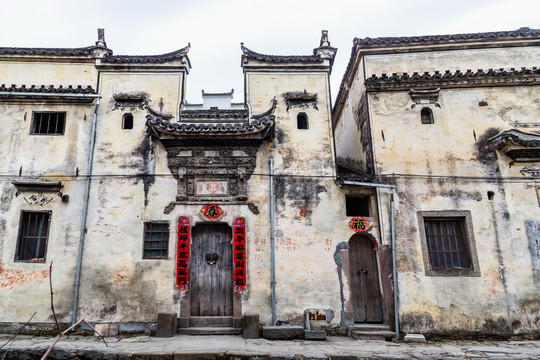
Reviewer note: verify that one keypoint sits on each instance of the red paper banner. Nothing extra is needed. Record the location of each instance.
(239, 231)
(182, 254)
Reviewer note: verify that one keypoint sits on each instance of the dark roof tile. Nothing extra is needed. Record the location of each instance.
(384, 41)
(86, 51)
(70, 89)
(279, 58)
(178, 54)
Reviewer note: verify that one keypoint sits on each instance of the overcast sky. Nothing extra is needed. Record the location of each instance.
(215, 28)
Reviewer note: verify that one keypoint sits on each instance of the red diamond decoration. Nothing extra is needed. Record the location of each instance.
(212, 211)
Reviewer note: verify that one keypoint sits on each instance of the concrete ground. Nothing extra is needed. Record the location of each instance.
(235, 347)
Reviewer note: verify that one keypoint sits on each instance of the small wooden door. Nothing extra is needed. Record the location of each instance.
(366, 294)
(211, 279)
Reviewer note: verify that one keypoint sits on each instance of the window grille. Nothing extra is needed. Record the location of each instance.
(447, 244)
(33, 235)
(156, 240)
(48, 123)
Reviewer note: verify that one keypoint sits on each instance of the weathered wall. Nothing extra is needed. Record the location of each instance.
(120, 285)
(310, 217)
(352, 130)
(504, 298)
(24, 286)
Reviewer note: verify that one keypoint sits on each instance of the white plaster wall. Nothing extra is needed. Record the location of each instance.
(495, 58)
(24, 286)
(48, 72)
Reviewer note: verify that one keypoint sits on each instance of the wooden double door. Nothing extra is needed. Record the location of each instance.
(211, 273)
(366, 293)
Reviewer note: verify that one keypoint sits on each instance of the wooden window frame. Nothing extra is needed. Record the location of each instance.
(33, 123)
(464, 217)
(22, 237)
(145, 240)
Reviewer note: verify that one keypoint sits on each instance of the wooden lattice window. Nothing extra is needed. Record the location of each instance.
(156, 240)
(33, 236)
(446, 243)
(48, 123)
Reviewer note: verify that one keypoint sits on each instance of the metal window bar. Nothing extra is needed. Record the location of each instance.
(49, 123)
(33, 238)
(446, 244)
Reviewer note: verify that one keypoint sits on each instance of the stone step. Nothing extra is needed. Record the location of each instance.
(369, 327)
(211, 321)
(209, 331)
(372, 335)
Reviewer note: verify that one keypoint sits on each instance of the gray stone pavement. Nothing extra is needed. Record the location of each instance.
(235, 347)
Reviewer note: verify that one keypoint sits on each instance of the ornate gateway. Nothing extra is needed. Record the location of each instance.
(211, 153)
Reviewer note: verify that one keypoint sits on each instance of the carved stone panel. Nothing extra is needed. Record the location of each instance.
(212, 173)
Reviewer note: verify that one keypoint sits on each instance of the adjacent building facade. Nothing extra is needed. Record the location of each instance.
(453, 122)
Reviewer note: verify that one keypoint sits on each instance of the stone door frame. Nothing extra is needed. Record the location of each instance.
(185, 297)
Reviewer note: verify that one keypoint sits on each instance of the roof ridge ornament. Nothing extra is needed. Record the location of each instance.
(101, 38)
(325, 51)
(324, 39)
(100, 49)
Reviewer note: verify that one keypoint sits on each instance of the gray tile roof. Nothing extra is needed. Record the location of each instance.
(384, 41)
(279, 58)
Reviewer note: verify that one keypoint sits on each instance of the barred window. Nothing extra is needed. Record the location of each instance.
(156, 240)
(48, 123)
(33, 236)
(446, 244)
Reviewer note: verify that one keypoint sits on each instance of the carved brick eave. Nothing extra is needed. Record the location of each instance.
(62, 93)
(518, 145)
(132, 101)
(39, 186)
(457, 79)
(301, 99)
